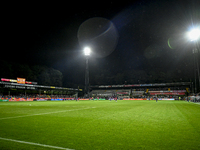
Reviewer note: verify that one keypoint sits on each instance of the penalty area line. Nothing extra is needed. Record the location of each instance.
(44, 113)
(35, 144)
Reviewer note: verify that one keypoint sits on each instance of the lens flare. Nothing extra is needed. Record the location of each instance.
(100, 35)
(173, 42)
(169, 44)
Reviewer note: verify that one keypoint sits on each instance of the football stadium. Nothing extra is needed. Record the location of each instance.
(103, 75)
(61, 120)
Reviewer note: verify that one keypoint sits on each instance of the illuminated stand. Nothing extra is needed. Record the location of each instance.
(87, 52)
(10, 84)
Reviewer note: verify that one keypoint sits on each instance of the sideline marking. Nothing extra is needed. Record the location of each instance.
(37, 144)
(44, 113)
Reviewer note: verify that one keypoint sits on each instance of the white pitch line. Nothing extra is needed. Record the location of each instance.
(36, 144)
(43, 113)
(197, 103)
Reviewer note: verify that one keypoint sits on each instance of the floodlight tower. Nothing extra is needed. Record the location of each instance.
(194, 36)
(87, 52)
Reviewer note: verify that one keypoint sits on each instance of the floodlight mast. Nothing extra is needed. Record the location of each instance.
(87, 52)
(194, 36)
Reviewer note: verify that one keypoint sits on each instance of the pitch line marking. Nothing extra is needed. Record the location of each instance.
(44, 113)
(36, 144)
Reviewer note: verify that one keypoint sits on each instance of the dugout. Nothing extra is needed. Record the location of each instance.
(139, 90)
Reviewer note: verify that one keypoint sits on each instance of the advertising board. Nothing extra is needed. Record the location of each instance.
(56, 99)
(4, 100)
(166, 99)
(134, 99)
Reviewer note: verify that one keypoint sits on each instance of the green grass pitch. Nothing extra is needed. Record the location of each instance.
(100, 125)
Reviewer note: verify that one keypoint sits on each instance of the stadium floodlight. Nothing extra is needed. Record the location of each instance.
(87, 51)
(194, 34)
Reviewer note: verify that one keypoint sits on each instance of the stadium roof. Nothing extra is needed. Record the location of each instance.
(141, 85)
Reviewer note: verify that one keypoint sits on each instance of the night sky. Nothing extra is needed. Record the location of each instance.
(46, 34)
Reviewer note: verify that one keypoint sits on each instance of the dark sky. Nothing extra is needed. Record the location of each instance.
(46, 34)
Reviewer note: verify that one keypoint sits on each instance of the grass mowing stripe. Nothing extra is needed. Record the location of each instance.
(37, 144)
(43, 113)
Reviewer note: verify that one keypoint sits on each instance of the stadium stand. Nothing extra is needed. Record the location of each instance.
(142, 90)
